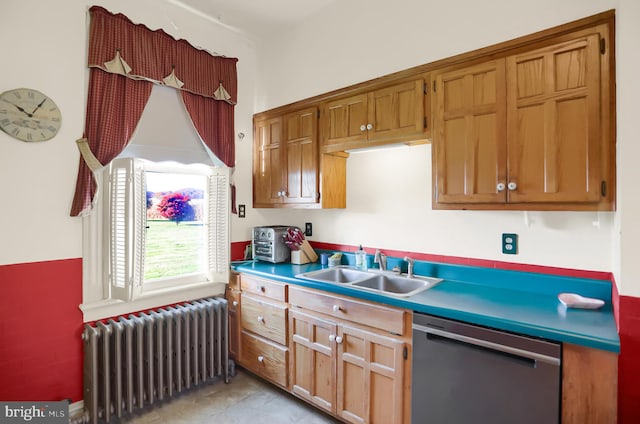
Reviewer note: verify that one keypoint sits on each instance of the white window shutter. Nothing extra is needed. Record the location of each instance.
(127, 201)
(139, 210)
(218, 221)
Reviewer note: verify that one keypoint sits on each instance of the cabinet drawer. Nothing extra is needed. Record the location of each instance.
(264, 318)
(265, 358)
(364, 313)
(271, 289)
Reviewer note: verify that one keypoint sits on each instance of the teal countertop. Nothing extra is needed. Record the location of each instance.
(515, 301)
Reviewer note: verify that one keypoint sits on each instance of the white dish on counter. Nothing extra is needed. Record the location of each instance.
(573, 300)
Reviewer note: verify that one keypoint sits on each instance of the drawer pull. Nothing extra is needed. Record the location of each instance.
(235, 303)
(261, 359)
(336, 308)
(261, 288)
(261, 319)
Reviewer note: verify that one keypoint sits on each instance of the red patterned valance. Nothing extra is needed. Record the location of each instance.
(158, 57)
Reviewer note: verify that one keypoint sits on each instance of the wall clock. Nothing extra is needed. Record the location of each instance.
(29, 115)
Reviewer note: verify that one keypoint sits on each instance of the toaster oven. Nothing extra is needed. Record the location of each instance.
(268, 244)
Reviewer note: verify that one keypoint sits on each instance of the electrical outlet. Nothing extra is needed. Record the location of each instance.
(241, 211)
(308, 229)
(509, 243)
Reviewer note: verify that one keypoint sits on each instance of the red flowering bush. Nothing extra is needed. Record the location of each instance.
(175, 207)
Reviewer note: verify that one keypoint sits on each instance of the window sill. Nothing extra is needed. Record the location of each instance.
(108, 308)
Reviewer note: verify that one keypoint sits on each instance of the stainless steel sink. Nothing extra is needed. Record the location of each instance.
(373, 280)
(397, 285)
(339, 274)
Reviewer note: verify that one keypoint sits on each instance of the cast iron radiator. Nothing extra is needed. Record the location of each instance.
(133, 362)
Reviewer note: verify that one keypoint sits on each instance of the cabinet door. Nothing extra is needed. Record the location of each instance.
(344, 121)
(313, 369)
(370, 377)
(470, 134)
(554, 123)
(300, 137)
(268, 169)
(397, 112)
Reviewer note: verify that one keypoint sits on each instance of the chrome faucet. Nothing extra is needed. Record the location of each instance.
(409, 266)
(380, 259)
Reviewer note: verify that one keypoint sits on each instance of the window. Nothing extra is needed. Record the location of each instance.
(134, 258)
(166, 226)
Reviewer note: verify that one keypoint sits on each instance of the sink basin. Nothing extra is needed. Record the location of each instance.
(397, 285)
(374, 280)
(336, 275)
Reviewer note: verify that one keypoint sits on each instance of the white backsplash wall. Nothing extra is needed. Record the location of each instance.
(389, 206)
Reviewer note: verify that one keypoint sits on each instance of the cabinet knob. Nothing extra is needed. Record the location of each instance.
(512, 186)
(261, 288)
(336, 308)
(260, 358)
(261, 319)
(369, 127)
(363, 127)
(500, 187)
(235, 303)
(334, 338)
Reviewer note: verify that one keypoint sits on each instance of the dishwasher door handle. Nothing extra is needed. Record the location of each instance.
(489, 345)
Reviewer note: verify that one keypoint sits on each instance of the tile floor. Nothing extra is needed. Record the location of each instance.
(245, 400)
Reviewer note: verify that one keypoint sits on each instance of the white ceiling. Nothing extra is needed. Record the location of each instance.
(254, 18)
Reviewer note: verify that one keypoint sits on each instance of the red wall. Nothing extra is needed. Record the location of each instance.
(629, 361)
(40, 329)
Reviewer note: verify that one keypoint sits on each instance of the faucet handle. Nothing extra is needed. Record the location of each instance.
(409, 266)
(380, 259)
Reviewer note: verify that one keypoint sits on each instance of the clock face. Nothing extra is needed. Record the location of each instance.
(28, 115)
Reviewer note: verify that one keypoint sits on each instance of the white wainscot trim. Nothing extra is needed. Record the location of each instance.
(108, 308)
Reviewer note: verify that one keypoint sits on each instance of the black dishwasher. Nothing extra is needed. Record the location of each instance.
(464, 374)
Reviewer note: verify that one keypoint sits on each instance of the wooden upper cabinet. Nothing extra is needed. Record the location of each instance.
(268, 167)
(531, 131)
(301, 129)
(470, 130)
(345, 121)
(383, 116)
(553, 129)
(288, 168)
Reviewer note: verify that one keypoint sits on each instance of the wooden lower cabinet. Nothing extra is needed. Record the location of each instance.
(265, 358)
(352, 371)
(313, 359)
(352, 358)
(589, 385)
(263, 326)
(370, 376)
(232, 295)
